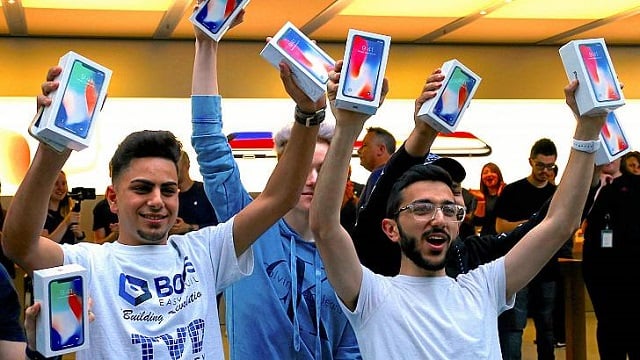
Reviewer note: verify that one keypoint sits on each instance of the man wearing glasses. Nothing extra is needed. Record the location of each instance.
(517, 202)
(422, 313)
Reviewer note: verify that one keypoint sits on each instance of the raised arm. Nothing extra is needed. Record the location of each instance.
(334, 243)
(216, 162)
(535, 249)
(21, 239)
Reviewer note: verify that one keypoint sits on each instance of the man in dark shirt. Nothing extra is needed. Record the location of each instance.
(194, 211)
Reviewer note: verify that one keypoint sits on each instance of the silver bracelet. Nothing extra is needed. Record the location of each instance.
(587, 146)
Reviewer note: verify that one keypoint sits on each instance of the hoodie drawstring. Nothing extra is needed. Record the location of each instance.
(294, 291)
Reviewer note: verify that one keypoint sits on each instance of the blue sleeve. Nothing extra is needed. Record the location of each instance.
(219, 170)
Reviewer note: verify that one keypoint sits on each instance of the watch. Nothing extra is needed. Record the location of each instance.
(309, 119)
(587, 146)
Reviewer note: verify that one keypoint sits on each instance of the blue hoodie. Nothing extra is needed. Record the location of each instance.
(264, 320)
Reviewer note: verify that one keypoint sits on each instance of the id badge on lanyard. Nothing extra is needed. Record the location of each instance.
(606, 235)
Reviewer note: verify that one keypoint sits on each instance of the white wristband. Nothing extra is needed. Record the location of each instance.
(587, 146)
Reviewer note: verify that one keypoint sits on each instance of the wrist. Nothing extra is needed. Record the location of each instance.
(309, 118)
(33, 354)
(586, 146)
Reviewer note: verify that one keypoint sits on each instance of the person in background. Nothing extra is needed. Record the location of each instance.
(63, 222)
(517, 202)
(491, 185)
(349, 209)
(631, 163)
(470, 203)
(610, 253)
(12, 337)
(195, 210)
(377, 146)
(105, 223)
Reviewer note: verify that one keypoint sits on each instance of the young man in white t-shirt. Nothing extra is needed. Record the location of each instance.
(154, 296)
(421, 313)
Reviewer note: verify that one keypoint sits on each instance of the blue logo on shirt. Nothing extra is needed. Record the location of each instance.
(133, 290)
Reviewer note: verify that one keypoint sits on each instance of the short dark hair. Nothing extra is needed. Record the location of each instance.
(544, 147)
(420, 172)
(141, 144)
(384, 137)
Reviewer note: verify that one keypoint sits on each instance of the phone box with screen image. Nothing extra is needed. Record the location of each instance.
(362, 75)
(214, 17)
(69, 121)
(613, 141)
(589, 61)
(310, 65)
(444, 111)
(63, 324)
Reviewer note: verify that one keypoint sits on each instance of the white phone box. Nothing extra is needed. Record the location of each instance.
(588, 61)
(613, 141)
(69, 122)
(444, 111)
(63, 323)
(362, 75)
(214, 17)
(309, 64)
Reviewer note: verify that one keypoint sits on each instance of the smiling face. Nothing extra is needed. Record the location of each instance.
(60, 189)
(425, 242)
(145, 197)
(490, 177)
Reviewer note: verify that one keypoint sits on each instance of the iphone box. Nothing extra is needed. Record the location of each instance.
(613, 141)
(588, 61)
(444, 111)
(362, 75)
(214, 17)
(63, 324)
(69, 121)
(310, 65)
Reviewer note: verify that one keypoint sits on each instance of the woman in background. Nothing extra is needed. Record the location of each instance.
(491, 185)
(62, 224)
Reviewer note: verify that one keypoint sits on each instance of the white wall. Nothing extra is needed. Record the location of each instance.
(510, 127)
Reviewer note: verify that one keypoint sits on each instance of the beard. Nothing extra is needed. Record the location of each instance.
(409, 247)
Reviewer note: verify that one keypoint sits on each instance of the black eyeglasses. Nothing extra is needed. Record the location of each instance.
(426, 211)
(543, 166)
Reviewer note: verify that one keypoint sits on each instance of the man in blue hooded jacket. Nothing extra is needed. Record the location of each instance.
(286, 309)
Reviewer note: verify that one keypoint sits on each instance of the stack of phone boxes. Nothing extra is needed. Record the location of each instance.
(69, 122)
(63, 325)
(309, 64)
(444, 111)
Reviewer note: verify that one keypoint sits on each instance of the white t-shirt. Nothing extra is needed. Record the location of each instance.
(159, 301)
(406, 317)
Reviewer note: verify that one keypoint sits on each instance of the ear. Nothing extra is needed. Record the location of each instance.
(390, 227)
(110, 195)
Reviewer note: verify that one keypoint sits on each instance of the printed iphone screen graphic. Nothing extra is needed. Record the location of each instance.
(363, 70)
(599, 72)
(216, 13)
(80, 99)
(306, 55)
(455, 96)
(613, 136)
(65, 313)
